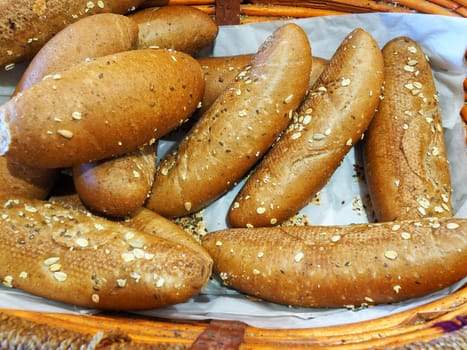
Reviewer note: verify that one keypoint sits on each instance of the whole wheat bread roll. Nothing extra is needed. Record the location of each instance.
(405, 160)
(100, 109)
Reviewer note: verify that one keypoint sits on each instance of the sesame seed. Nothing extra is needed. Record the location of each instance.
(9, 66)
(82, 242)
(100, 4)
(219, 243)
(76, 115)
(99, 227)
(369, 300)
(8, 281)
(288, 99)
(127, 257)
(408, 68)
(273, 221)
(135, 275)
(30, 208)
(412, 49)
(299, 256)
(296, 135)
(51, 260)
(260, 254)
(121, 282)
(322, 89)
(160, 282)
(256, 272)
(187, 206)
(138, 253)
(55, 267)
(243, 113)
(60, 276)
(405, 235)
(452, 225)
(95, 298)
(345, 82)
(390, 254)
(395, 227)
(23, 274)
(348, 142)
(412, 62)
(397, 288)
(260, 210)
(65, 133)
(335, 238)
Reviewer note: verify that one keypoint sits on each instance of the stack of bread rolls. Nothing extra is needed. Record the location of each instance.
(102, 90)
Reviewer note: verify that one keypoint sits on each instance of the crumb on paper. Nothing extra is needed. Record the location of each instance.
(193, 224)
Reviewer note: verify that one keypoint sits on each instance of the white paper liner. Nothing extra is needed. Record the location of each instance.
(444, 40)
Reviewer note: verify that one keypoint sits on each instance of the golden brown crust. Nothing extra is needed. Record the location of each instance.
(405, 161)
(77, 258)
(90, 37)
(331, 119)
(181, 28)
(26, 25)
(239, 127)
(220, 71)
(336, 266)
(119, 186)
(102, 108)
(20, 180)
(149, 221)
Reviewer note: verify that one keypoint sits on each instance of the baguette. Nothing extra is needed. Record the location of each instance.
(341, 266)
(89, 37)
(220, 71)
(100, 109)
(239, 127)
(181, 28)
(405, 160)
(84, 260)
(119, 186)
(331, 119)
(26, 25)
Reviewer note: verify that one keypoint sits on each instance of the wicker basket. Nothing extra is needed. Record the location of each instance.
(438, 325)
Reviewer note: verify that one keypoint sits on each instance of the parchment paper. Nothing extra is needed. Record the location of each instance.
(444, 40)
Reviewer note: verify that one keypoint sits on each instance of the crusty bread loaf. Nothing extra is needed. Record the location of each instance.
(220, 71)
(119, 186)
(102, 108)
(405, 161)
(181, 28)
(73, 257)
(238, 128)
(26, 25)
(338, 266)
(331, 119)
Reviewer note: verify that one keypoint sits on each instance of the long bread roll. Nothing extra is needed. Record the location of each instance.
(102, 108)
(238, 128)
(177, 27)
(26, 25)
(405, 160)
(74, 257)
(337, 266)
(331, 119)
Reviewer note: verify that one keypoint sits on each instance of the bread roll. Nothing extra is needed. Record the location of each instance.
(100, 109)
(405, 160)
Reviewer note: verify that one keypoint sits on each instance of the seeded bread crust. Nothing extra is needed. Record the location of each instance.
(220, 71)
(329, 122)
(405, 160)
(102, 108)
(341, 266)
(181, 28)
(26, 25)
(85, 260)
(238, 128)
